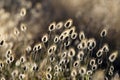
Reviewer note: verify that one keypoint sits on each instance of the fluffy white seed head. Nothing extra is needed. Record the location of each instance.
(59, 25)
(82, 45)
(23, 12)
(45, 38)
(99, 53)
(23, 27)
(92, 62)
(113, 56)
(71, 52)
(82, 71)
(103, 33)
(105, 48)
(74, 35)
(68, 23)
(91, 44)
(73, 72)
(81, 35)
(52, 26)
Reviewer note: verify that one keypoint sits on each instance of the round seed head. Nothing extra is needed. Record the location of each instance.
(73, 73)
(91, 44)
(52, 58)
(17, 63)
(72, 30)
(99, 53)
(28, 49)
(76, 63)
(2, 78)
(52, 26)
(48, 76)
(81, 35)
(110, 73)
(71, 52)
(113, 56)
(16, 32)
(82, 71)
(111, 68)
(94, 67)
(22, 59)
(56, 74)
(49, 69)
(92, 62)
(14, 73)
(59, 25)
(56, 39)
(80, 54)
(82, 45)
(45, 38)
(68, 23)
(23, 12)
(56, 67)
(105, 48)
(67, 43)
(1, 64)
(21, 76)
(99, 61)
(89, 72)
(74, 35)
(103, 33)
(23, 27)
(64, 54)
(11, 58)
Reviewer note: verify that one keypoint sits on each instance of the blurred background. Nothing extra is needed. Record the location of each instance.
(88, 15)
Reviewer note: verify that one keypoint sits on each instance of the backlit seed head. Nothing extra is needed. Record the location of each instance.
(100, 61)
(71, 52)
(23, 27)
(91, 44)
(37, 47)
(94, 67)
(68, 23)
(99, 53)
(80, 54)
(92, 62)
(45, 38)
(17, 63)
(52, 26)
(59, 25)
(82, 71)
(74, 35)
(64, 54)
(22, 59)
(28, 49)
(1, 64)
(56, 74)
(82, 45)
(8, 61)
(72, 30)
(56, 39)
(11, 58)
(105, 48)
(81, 35)
(111, 68)
(21, 76)
(49, 69)
(73, 73)
(34, 67)
(103, 33)
(89, 72)
(56, 67)
(14, 73)
(48, 76)
(110, 73)
(23, 12)
(16, 32)
(113, 56)
(62, 61)
(2, 78)
(76, 63)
